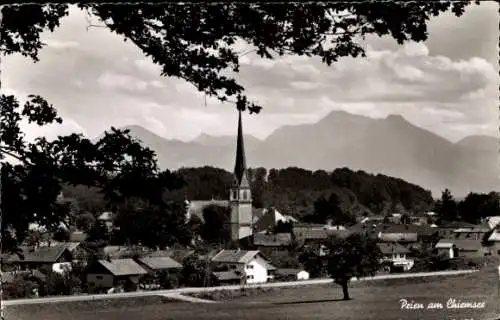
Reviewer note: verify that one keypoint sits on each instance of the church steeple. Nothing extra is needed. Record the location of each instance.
(240, 166)
(240, 197)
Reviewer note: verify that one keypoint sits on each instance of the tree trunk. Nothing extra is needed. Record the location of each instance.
(345, 290)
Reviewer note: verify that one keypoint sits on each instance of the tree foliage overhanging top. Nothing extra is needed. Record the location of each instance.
(192, 42)
(195, 41)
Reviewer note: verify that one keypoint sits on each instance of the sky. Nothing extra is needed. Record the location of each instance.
(448, 84)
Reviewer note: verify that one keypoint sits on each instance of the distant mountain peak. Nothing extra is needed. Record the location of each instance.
(395, 117)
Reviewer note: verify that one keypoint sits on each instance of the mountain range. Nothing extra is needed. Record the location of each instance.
(391, 146)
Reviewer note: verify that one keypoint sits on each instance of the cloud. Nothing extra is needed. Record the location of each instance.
(99, 81)
(58, 44)
(52, 131)
(120, 81)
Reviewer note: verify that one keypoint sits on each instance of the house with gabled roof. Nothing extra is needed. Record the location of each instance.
(476, 233)
(252, 264)
(467, 248)
(37, 257)
(154, 264)
(397, 255)
(447, 228)
(106, 274)
(268, 243)
(270, 219)
(493, 221)
(305, 233)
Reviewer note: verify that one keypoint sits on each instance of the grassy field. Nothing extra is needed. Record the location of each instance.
(377, 300)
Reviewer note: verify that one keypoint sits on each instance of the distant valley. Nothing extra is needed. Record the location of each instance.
(392, 146)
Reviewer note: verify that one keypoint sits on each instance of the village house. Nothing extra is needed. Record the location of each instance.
(158, 267)
(156, 264)
(410, 236)
(494, 240)
(447, 229)
(304, 232)
(400, 233)
(268, 243)
(463, 248)
(252, 264)
(446, 248)
(107, 219)
(470, 233)
(106, 274)
(52, 258)
(493, 222)
(270, 219)
(396, 254)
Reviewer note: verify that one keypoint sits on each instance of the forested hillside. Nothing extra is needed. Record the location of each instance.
(294, 191)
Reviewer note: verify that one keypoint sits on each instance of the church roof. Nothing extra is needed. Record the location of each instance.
(196, 207)
(240, 166)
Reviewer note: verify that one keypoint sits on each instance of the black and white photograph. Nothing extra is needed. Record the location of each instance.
(250, 160)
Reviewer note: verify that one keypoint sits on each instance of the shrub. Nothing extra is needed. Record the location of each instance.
(19, 288)
(61, 284)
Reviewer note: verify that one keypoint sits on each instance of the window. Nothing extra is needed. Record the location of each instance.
(244, 195)
(250, 266)
(232, 266)
(249, 276)
(235, 194)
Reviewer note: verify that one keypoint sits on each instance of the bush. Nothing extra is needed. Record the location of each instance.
(61, 284)
(19, 288)
(224, 295)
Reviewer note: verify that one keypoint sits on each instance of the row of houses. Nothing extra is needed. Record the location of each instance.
(225, 266)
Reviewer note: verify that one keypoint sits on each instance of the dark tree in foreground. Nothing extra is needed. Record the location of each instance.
(447, 207)
(153, 226)
(192, 42)
(33, 173)
(477, 206)
(313, 262)
(354, 256)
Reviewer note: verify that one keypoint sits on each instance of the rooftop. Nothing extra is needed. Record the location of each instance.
(390, 248)
(235, 256)
(272, 240)
(122, 267)
(461, 244)
(158, 263)
(227, 275)
(38, 254)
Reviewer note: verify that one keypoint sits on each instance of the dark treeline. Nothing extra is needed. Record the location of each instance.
(294, 190)
(301, 192)
(472, 209)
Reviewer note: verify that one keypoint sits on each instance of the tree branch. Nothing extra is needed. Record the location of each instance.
(9, 153)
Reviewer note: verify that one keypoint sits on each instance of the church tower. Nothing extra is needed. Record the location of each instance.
(240, 197)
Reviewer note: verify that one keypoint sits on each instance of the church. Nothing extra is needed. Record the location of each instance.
(240, 197)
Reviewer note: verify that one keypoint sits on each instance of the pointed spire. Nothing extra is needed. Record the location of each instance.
(240, 166)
